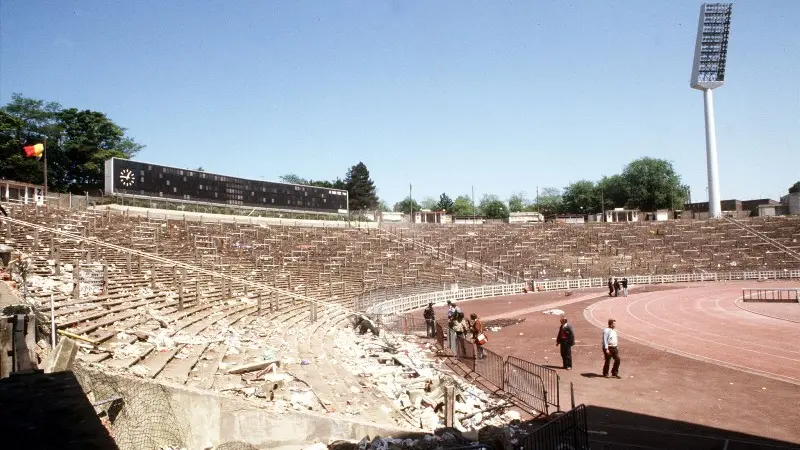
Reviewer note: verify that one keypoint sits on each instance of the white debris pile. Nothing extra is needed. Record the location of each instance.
(402, 369)
(125, 350)
(162, 341)
(556, 312)
(50, 285)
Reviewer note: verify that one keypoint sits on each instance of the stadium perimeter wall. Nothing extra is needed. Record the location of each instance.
(403, 304)
(227, 218)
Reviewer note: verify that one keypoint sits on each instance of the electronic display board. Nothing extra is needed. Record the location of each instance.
(123, 176)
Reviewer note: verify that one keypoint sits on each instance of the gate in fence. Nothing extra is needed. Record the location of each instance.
(568, 431)
(771, 295)
(549, 378)
(525, 386)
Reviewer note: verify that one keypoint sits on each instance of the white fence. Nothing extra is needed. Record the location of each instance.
(402, 304)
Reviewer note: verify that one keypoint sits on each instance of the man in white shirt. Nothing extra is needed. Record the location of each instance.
(611, 349)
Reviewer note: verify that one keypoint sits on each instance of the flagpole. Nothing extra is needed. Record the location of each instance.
(44, 156)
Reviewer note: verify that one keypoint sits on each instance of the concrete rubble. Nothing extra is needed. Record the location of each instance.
(402, 368)
(261, 358)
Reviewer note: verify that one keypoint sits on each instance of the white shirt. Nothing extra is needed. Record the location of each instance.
(609, 338)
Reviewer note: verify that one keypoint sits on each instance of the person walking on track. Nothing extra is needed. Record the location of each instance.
(565, 339)
(430, 321)
(611, 349)
(610, 288)
(616, 287)
(624, 287)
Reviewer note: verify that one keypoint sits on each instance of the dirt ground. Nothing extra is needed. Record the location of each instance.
(718, 406)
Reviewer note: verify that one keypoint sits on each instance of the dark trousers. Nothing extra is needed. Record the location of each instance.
(430, 326)
(566, 354)
(613, 353)
(461, 348)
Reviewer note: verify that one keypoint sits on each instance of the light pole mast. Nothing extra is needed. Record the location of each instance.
(708, 72)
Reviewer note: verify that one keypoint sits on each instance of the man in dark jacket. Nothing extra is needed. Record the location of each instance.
(566, 339)
(430, 321)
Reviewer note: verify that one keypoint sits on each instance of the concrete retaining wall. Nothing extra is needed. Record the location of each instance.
(213, 419)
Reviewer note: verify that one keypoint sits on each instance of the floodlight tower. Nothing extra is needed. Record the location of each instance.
(708, 72)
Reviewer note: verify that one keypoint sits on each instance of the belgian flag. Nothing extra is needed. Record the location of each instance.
(34, 150)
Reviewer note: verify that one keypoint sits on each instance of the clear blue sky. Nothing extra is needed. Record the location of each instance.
(445, 95)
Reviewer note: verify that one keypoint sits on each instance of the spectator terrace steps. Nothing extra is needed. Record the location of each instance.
(217, 329)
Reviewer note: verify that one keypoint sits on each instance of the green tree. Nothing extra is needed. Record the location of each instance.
(652, 184)
(360, 188)
(293, 178)
(200, 169)
(549, 202)
(462, 206)
(795, 188)
(78, 143)
(13, 162)
(580, 197)
(26, 121)
(429, 203)
(445, 203)
(517, 202)
(612, 191)
(87, 139)
(405, 205)
(493, 208)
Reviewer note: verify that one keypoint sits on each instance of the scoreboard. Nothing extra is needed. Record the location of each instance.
(123, 176)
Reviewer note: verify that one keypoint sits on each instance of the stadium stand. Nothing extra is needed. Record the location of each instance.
(193, 302)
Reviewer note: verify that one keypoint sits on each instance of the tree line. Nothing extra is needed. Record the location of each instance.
(646, 183)
(79, 141)
(77, 144)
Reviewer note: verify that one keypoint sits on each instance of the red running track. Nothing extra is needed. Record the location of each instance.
(703, 322)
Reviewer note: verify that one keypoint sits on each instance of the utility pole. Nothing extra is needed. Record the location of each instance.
(411, 202)
(473, 204)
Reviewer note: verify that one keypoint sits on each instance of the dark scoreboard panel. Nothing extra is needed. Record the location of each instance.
(123, 176)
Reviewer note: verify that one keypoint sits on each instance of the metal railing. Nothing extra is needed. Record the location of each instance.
(529, 384)
(406, 303)
(491, 368)
(548, 376)
(776, 295)
(568, 431)
(525, 386)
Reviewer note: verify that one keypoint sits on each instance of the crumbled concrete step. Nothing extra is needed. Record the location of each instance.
(227, 382)
(203, 376)
(125, 363)
(115, 314)
(178, 369)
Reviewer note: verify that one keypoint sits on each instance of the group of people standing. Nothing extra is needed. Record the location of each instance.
(457, 329)
(565, 339)
(614, 287)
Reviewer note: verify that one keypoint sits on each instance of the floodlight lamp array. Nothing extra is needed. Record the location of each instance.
(711, 49)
